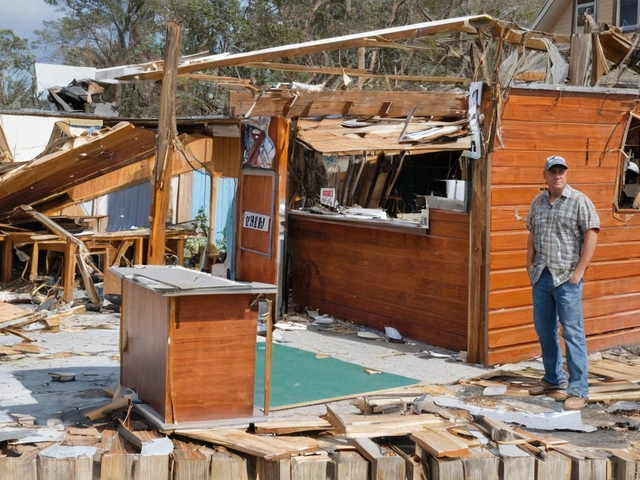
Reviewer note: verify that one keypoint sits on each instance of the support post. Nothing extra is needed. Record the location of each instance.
(165, 149)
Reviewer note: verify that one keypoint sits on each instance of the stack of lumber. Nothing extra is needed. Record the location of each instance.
(332, 447)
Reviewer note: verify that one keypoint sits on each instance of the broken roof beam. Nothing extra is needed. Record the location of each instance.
(530, 39)
(50, 176)
(453, 25)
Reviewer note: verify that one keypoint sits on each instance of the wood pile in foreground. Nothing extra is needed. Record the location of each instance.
(446, 445)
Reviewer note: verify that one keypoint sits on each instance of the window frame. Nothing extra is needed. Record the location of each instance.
(577, 26)
(627, 28)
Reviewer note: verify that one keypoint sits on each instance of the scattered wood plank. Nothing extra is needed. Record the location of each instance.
(22, 321)
(10, 312)
(440, 443)
(368, 426)
(26, 347)
(53, 320)
(293, 425)
(269, 448)
(114, 405)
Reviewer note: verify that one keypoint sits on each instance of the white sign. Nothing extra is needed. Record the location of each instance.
(328, 197)
(255, 221)
(475, 99)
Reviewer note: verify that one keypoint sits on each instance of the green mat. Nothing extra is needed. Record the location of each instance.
(298, 377)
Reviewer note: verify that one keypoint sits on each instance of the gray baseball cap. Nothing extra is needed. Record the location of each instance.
(555, 160)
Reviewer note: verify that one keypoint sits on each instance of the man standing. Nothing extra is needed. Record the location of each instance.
(563, 231)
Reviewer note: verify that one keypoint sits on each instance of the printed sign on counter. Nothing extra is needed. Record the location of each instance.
(255, 221)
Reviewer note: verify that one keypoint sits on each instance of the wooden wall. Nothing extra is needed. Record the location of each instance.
(586, 129)
(416, 284)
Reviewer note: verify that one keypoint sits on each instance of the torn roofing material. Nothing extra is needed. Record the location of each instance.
(50, 176)
(331, 136)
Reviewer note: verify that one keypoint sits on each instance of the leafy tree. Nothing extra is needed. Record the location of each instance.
(102, 33)
(17, 89)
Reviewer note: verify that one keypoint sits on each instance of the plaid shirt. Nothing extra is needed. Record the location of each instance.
(558, 232)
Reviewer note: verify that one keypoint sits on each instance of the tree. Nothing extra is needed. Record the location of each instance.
(17, 89)
(102, 33)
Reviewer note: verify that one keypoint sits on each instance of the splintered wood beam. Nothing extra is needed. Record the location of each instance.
(73, 245)
(454, 25)
(167, 133)
(292, 67)
(214, 78)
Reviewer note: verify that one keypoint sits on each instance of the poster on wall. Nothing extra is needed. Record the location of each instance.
(259, 150)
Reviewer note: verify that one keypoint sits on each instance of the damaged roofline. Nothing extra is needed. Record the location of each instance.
(115, 120)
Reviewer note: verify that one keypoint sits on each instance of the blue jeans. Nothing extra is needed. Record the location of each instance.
(562, 303)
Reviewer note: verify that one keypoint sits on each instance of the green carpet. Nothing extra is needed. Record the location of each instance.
(298, 377)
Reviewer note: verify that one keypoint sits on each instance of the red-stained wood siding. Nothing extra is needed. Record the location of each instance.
(377, 278)
(587, 129)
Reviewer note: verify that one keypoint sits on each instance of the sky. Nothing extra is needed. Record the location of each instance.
(25, 16)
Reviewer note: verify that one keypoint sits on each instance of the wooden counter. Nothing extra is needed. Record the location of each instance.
(381, 274)
(188, 342)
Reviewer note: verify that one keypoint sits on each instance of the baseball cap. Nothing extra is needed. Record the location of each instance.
(555, 160)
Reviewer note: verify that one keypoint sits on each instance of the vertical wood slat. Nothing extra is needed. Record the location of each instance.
(72, 468)
(22, 467)
(350, 465)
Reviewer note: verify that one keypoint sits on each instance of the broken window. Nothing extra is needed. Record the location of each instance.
(629, 180)
(628, 15)
(584, 7)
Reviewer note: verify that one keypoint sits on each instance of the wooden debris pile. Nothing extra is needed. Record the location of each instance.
(15, 320)
(406, 445)
(613, 376)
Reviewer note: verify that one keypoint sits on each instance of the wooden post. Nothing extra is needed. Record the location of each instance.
(138, 250)
(33, 275)
(165, 149)
(213, 206)
(69, 270)
(267, 358)
(7, 260)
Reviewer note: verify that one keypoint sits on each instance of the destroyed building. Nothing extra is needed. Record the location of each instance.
(468, 146)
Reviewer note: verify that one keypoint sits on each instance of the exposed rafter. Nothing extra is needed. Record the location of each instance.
(384, 36)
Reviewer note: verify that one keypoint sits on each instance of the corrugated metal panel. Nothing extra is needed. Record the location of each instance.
(129, 207)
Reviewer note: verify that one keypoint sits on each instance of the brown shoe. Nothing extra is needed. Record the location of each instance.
(543, 387)
(574, 403)
(558, 395)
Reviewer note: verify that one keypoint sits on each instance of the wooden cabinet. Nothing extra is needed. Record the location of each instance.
(188, 342)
